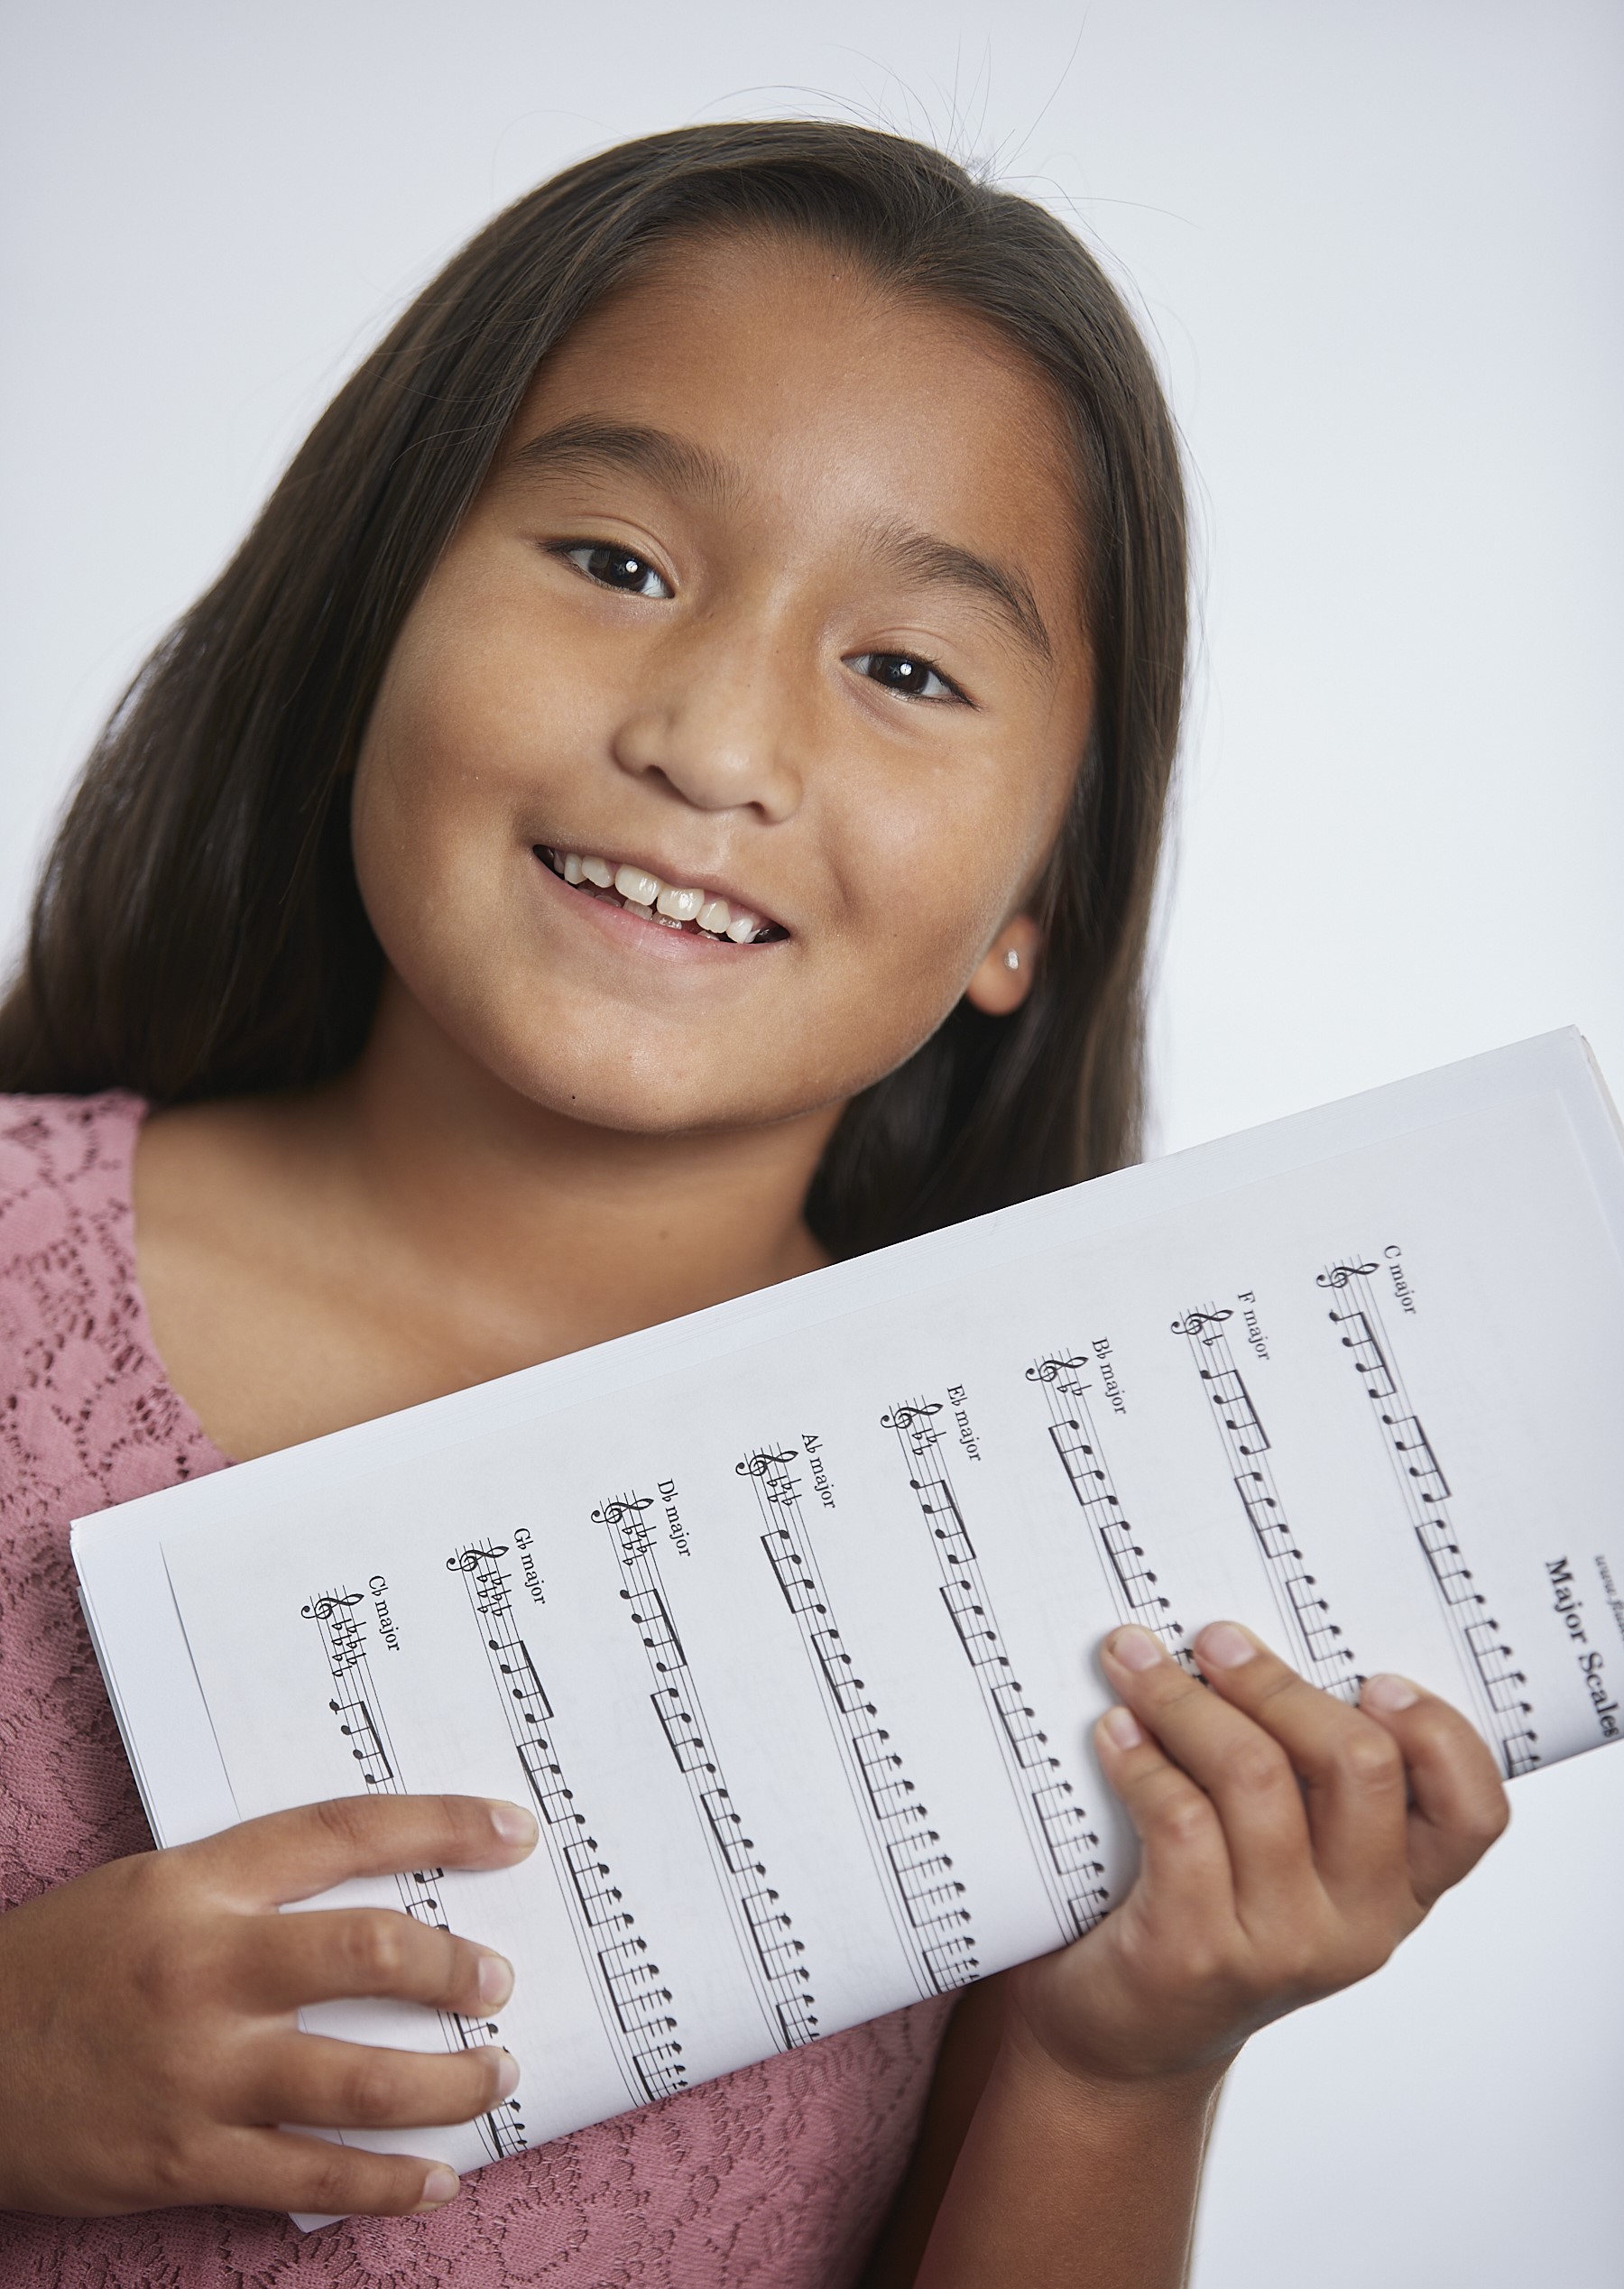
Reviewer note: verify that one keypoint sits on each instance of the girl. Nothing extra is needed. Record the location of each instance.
(666, 794)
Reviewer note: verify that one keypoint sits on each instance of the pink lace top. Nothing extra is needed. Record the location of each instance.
(777, 2176)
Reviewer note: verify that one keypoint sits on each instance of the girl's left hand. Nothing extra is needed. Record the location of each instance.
(1290, 1843)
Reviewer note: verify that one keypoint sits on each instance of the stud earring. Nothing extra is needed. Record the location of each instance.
(1011, 959)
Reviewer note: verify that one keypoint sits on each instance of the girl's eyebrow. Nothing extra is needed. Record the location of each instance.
(676, 463)
(683, 466)
(921, 556)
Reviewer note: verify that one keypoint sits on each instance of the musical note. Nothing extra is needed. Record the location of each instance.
(1410, 1439)
(1135, 1589)
(897, 1822)
(524, 1684)
(366, 1749)
(545, 1780)
(650, 2063)
(1497, 1686)
(1322, 1650)
(1368, 1357)
(800, 1592)
(640, 2001)
(664, 1647)
(779, 1975)
(952, 1962)
(1262, 1508)
(981, 1641)
(1236, 1412)
(687, 1743)
(1021, 1738)
(338, 1616)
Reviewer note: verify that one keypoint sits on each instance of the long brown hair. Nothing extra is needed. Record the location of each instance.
(198, 931)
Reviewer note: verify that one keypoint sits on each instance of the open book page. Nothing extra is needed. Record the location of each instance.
(787, 1634)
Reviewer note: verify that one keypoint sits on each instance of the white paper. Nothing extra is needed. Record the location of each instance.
(783, 1616)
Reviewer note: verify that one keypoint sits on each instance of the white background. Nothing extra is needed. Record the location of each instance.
(1376, 246)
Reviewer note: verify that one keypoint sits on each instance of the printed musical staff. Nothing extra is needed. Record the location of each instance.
(1135, 1588)
(339, 1616)
(1498, 1686)
(1326, 1656)
(927, 1899)
(633, 2003)
(1065, 1846)
(771, 1952)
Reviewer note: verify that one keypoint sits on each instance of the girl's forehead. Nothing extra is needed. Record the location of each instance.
(798, 374)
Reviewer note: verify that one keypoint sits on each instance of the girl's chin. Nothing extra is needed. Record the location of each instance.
(658, 1091)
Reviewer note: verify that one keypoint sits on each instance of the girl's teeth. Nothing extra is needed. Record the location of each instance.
(656, 900)
(635, 887)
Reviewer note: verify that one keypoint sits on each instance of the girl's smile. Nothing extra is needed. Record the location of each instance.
(687, 908)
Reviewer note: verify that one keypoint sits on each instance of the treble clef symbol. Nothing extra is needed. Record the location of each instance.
(761, 1465)
(323, 1609)
(470, 1560)
(1340, 1274)
(1049, 1370)
(903, 1419)
(625, 1507)
(1193, 1322)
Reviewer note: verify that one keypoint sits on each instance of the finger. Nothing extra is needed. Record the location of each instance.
(260, 2169)
(1240, 1767)
(1351, 1770)
(1184, 1858)
(326, 1953)
(355, 2086)
(1458, 1805)
(290, 1855)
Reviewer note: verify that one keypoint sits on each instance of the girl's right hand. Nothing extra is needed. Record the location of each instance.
(148, 2018)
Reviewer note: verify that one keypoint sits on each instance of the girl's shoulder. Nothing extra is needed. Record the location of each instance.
(64, 1161)
(87, 1413)
(87, 1418)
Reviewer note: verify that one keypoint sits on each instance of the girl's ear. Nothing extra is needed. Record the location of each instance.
(1005, 975)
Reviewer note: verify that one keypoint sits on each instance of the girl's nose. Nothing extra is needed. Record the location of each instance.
(715, 722)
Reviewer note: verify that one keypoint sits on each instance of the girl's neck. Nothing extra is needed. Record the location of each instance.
(311, 1260)
(603, 1228)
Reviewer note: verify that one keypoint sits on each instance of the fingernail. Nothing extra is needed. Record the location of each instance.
(1136, 1648)
(495, 1980)
(1388, 1691)
(1121, 1728)
(513, 1824)
(507, 2074)
(441, 2185)
(1224, 1646)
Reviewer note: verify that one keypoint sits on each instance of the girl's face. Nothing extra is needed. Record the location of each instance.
(772, 599)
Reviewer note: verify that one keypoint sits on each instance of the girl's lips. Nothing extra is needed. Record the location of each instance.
(628, 930)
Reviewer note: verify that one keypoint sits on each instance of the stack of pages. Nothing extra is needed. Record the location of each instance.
(782, 1617)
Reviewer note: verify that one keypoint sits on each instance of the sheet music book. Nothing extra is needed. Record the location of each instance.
(782, 1617)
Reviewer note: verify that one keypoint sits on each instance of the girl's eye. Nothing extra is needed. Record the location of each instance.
(905, 672)
(618, 568)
